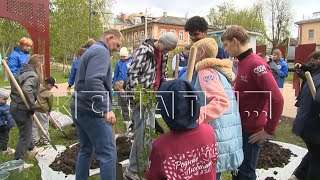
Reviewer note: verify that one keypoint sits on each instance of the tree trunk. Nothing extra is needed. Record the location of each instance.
(5, 78)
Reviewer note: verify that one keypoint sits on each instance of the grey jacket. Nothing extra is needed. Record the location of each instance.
(274, 69)
(28, 80)
(93, 83)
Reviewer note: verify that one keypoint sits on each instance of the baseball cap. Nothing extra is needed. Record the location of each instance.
(52, 81)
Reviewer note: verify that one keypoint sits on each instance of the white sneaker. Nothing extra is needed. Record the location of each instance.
(131, 176)
(9, 151)
(26, 165)
(293, 177)
(35, 151)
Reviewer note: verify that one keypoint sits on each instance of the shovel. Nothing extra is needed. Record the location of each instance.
(56, 125)
(191, 63)
(35, 119)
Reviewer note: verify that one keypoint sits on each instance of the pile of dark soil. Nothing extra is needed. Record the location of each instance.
(66, 161)
(123, 147)
(272, 155)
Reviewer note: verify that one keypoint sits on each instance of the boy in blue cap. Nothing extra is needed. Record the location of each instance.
(195, 157)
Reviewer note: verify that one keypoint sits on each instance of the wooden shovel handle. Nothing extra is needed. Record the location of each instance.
(176, 71)
(191, 63)
(311, 84)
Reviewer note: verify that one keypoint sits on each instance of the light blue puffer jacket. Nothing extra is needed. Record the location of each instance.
(227, 128)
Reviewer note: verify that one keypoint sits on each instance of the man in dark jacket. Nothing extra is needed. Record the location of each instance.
(307, 125)
(91, 106)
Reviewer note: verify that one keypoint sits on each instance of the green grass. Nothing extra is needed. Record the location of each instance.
(56, 136)
(289, 79)
(2, 80)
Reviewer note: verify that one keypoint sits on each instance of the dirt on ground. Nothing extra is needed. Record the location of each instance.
(123, 147)
(66, 161)
(272, 155)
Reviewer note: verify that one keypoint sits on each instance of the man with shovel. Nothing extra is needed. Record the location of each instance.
(307, 125)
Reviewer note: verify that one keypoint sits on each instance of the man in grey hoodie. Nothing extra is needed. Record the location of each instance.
(91, 106)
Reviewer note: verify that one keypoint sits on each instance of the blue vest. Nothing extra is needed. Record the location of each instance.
(227, 128)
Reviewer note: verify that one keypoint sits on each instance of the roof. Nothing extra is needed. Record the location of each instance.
(170, 20)
(308, 21)
(222, 30)
(119, 21)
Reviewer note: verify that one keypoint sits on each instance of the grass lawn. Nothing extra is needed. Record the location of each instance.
(56, 136)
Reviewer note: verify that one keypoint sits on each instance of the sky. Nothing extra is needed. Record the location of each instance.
(302, 8)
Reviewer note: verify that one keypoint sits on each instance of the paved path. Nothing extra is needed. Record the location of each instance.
(289, 100)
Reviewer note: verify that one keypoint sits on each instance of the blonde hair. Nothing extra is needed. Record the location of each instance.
(36, 60)
(26, 42)
(278, 53)
(209, 45)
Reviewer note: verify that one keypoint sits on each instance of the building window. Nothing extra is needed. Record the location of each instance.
(142, 35)
(162, 32)
(181, 35)
(173, 31)
(135, 36)
(311, 33)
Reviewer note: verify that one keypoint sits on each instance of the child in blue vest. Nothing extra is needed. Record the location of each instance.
(6, 123)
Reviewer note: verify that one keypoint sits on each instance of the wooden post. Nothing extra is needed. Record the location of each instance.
(176, 71)
(191, 63)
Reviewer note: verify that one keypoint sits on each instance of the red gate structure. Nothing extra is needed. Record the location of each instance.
(34, 16)
(301, 56)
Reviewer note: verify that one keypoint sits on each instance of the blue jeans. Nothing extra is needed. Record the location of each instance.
(247, 170)
(95, 134)
(137, 162)
(218, 176)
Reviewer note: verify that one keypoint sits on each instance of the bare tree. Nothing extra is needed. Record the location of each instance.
(279, 15)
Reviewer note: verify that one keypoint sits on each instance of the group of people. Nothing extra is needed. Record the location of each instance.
(216, 123)
(216, 133)
(26, 70)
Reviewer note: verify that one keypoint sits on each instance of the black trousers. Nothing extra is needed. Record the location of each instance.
(4, 138)
(23, 120)
(309, 168)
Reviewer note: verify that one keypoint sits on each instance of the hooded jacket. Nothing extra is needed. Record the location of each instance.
(307, 121)
(28, 80)
(143, 68)
(283, 72)
(16, 59)
(44, 101)
(220, 109)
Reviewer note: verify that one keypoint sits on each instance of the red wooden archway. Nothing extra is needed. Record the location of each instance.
(34, 16)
